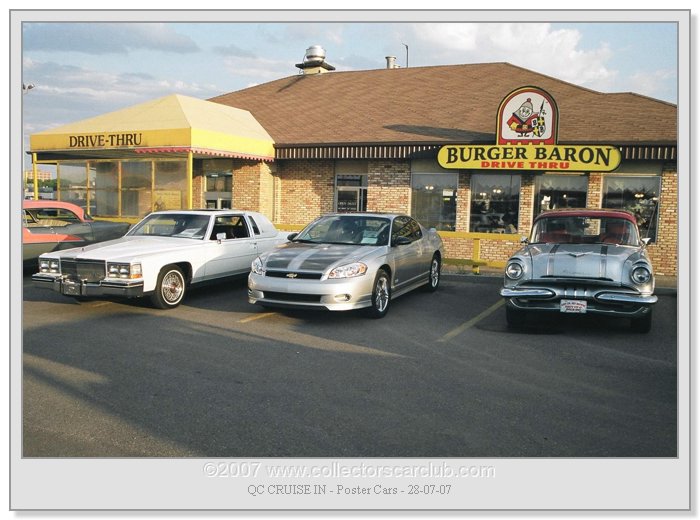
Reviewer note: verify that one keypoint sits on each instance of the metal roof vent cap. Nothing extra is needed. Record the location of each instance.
(314, 54)
(314, 61)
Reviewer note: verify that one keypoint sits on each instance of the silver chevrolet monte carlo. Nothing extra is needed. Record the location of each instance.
(348, 261)
(581, 261)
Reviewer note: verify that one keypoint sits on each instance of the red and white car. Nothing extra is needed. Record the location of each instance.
(52, 225)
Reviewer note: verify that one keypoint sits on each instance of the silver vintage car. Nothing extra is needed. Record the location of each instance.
(348, 261)
(581, 261)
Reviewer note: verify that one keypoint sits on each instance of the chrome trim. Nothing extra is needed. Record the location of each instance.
(627, 298)
(527, 293)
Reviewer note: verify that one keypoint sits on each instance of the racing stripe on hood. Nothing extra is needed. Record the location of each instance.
(603, 261)
(298, 260)
(314, 258)
(550, 260)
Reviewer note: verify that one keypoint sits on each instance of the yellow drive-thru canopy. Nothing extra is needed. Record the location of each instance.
(173, 125)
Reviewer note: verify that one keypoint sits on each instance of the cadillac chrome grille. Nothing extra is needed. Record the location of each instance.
(88, 270)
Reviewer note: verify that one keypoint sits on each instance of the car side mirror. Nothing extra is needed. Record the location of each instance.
(292, 236)
(524, 240)
(402, 241)
(646, 241)
(220, 236)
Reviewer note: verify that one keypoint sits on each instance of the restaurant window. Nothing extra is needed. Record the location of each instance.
(73, 184)
(434, 195)
(560, 191)
(639, 195)
(495, 202)
(170, 185)
(351, 186)
(104, 176)
(136, 188)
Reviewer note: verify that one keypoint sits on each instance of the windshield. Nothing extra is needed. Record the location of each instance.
(347, 229)
(585, 230)
(180, 225)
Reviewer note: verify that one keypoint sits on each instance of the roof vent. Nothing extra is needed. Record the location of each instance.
(315, 61)
(391, 62)
(314, 54)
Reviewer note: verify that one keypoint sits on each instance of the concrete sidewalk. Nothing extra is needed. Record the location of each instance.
(665, 285)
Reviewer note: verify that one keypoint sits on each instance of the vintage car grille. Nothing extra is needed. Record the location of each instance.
(88, 270)
(294, 274)
(287, 297)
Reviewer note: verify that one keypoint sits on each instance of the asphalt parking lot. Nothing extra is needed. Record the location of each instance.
(439, 376)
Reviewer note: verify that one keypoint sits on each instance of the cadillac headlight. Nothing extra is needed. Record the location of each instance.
(514, 270)
(640, 274)
(348, 271)
(123, 271)
(49, 266)
(257, 267)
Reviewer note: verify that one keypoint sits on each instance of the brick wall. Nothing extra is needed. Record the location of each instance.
(526, 204)
(305, 190)
(664, 252)
(464, 191)
(594, 198)
(198, 190)
(389, 186)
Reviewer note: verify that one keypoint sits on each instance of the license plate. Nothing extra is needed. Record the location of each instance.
(71, 289)
(574, 306)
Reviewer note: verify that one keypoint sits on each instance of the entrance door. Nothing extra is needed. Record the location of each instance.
(350, 199)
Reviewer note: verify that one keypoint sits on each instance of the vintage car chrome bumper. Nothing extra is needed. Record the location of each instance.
(334, 295)
(601, 300)
(72, 287)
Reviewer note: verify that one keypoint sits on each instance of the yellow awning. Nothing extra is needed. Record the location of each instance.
(172, 124)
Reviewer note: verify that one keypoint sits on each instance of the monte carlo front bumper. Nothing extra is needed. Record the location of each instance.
(334, 295)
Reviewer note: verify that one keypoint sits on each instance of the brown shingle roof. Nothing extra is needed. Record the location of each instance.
(441, 104)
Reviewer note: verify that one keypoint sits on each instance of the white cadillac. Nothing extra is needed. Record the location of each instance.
(162, 256)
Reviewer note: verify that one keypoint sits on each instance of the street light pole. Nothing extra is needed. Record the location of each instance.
(25, 89)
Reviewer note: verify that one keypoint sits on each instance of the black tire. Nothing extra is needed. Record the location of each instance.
(515, 318)
(381, 295)
(642, 325)
(434, 274)
(170, 288)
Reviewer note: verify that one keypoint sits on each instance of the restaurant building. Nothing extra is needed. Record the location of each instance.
(475, 150)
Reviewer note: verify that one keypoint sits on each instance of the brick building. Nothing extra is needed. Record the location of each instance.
(327, 140)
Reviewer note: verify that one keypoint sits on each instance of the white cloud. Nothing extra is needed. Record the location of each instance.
(65, 94)
(105, 38)
(653, 84)
(535, 46)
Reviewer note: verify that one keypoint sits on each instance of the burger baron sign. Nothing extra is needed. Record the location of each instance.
(527, 130)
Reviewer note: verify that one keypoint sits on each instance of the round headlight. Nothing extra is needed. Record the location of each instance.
(640, 274)
(514, 270)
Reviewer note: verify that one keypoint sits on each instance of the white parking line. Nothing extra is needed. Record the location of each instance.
(467, 324)
(257, 317)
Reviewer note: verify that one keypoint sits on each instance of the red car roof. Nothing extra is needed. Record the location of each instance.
(583, 212)
(40, 204)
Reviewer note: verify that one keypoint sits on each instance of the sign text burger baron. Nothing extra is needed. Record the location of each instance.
(530, 157)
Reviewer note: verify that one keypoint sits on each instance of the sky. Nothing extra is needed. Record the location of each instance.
(82, 70)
